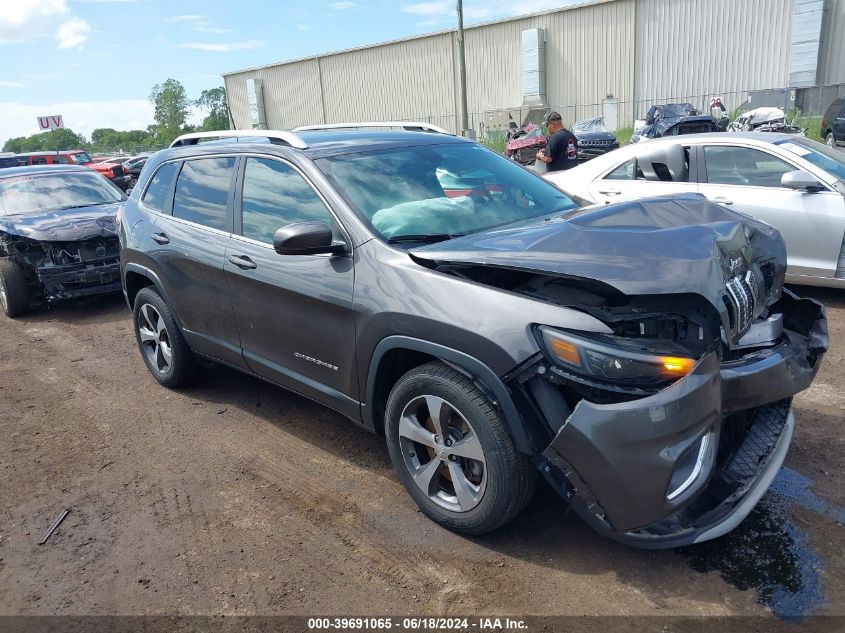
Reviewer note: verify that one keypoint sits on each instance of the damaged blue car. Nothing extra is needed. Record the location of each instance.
(58, 238)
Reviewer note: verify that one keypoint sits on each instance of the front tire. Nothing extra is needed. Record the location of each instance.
(160, 341)
(831, 142)
(14, 292)
(453, 453)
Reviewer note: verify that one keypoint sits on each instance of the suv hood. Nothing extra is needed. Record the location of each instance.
(663, 245)
(64, 225)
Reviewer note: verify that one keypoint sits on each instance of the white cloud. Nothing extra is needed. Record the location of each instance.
(483, 9)
(10, 84)
(205, 27)
(430, 8)
(24, 20)
(72, 33)
(223, 46)
(185, 18)
(343, 6)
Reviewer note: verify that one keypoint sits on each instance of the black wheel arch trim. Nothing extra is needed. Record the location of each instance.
(154, 279)
(480, 373)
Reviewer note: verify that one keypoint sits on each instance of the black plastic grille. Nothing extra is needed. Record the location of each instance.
(763, 434)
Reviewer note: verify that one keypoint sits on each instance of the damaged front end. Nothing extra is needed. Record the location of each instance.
(667, 429)
(57, 270)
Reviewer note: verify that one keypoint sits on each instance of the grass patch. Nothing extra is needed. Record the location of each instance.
(623, 135)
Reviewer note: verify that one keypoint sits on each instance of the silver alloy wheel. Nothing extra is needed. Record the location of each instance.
(830, 140)
(3, 295)
(155, 341)
(442, 453)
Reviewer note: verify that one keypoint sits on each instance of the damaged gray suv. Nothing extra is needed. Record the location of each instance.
(642, 357)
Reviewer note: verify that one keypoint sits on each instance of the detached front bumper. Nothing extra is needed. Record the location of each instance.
(689, 463)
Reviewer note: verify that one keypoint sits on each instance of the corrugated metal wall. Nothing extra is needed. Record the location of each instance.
(588, 52)
(704, 48)
(639, 51)
(292, 95)
(832, 55)
(403, 80)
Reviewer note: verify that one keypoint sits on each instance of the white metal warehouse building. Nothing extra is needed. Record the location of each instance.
(611, 57)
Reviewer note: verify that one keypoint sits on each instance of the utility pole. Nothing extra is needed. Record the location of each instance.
(462, 65)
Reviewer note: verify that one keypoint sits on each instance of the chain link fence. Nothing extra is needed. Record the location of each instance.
(804, 106)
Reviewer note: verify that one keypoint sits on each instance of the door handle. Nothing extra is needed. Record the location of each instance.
(722, 200)
(161, 238)
(611, 192)
(242, 261)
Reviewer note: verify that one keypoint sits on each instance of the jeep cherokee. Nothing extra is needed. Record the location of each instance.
(641, 356)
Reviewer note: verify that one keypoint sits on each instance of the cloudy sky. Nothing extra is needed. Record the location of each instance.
(95, 61)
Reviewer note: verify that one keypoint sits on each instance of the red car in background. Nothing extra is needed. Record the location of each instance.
(113, 171)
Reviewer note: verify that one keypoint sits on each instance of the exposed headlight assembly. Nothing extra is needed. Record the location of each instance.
(611, 360)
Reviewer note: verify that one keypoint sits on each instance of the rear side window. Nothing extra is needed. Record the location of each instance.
(61, 160)
(274, 194)
(38, 160)
(202, 192)
(155, 196)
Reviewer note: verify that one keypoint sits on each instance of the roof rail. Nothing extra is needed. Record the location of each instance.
(287, 138)
(412, 126)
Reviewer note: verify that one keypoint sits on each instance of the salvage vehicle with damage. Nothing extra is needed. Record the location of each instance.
(674, 119)
(58, 238)
(642, 357)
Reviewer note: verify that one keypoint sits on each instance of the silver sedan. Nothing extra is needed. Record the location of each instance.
(792, 183)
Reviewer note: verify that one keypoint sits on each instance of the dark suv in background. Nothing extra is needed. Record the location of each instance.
(641, 356)
(832, 126)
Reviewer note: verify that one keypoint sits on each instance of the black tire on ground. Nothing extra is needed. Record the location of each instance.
(14, 292)
(511, 478)
(153, 314)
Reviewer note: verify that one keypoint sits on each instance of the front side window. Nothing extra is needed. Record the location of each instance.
(822, 156)
(202, 192)
(432, 192)
(34, 194)
(728, 165)
(275, 194)
(61, 160)
(156, 194)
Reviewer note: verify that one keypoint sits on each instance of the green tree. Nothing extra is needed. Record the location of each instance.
(61, 139)
(213, 101)
(171, 109)
(100, 133)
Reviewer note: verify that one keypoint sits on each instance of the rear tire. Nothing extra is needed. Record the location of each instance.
(160, 341)
(14, 291)
(831, 142)
(493, 486)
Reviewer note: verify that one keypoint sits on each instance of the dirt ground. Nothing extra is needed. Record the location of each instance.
(235, 497)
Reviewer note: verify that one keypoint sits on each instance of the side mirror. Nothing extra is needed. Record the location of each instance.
(800, 181)
(306, 238)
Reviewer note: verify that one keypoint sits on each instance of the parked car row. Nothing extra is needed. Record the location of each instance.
(641, 356)
(110, 168)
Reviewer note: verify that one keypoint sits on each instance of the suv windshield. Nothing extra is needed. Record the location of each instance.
(30, 195)
(822, 156)
(81, 158)
(432, 192)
